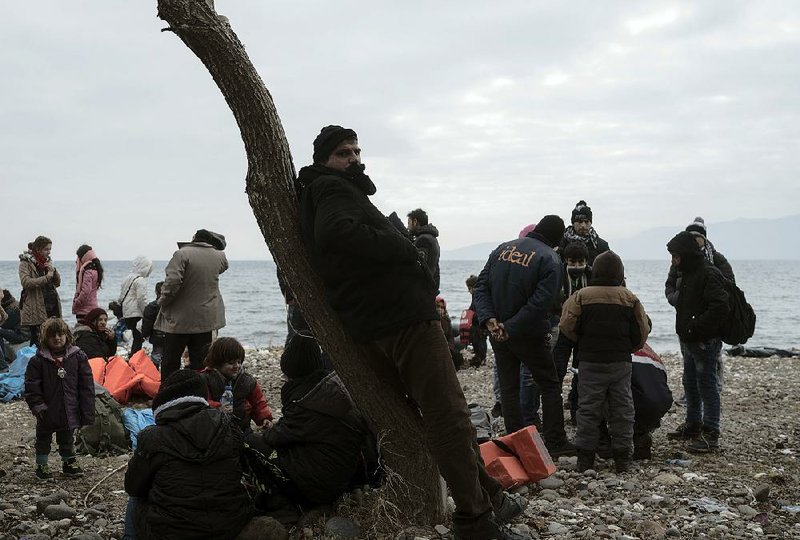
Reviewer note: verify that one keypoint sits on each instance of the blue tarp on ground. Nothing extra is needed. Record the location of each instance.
(136, 420)
(12, 384)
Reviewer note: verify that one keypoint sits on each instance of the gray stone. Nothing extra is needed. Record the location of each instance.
(341, 527)
(264, 528)
(94, 512)
(761, 493)
(673, 532)
(87, 536)
(59, 511)
(100, 523)
(551, 482)
(591, 473)
(549, 495)
(557, 528)
(650, 529)
(441, 530)
(48, 500)
(63, 523)
(35, 537)
(668, 479)
(746, 510)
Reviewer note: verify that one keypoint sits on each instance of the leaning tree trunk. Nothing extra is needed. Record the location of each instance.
(270, 180)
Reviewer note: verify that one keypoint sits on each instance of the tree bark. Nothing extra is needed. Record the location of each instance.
(418, 497)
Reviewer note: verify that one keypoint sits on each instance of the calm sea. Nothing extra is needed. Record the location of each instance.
(256, 314)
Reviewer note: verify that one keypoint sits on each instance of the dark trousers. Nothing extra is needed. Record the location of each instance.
(604, 391)
(138, 339)
(477, 338)
(44, 439)
(416, 362)
(535, 354)
(34, 335)
(174, 345)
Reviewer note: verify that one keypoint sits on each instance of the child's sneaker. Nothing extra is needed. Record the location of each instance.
(71, 468)
(43, 472)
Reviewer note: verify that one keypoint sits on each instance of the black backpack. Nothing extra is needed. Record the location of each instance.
(741, 322)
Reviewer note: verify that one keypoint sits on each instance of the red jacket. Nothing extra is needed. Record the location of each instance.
(249, 402)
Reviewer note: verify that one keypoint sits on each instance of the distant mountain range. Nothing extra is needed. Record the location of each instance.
(740, 239)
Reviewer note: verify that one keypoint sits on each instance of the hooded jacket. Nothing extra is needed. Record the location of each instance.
(136, 300)
(191, 302)
(520, 286)
(69, 401)
(373, 277)
(41, 296)
(702, 302)
(85, 299)
(425, 240)
(187, 468)
(319, 436)
(606, 319)
(674, 276)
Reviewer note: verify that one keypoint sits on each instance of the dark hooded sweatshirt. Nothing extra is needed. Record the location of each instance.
(319, 436)
(702, 301)
(425, 240)
(187, 467)
(372, 274)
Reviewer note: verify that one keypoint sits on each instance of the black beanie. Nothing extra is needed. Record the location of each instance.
(697, 227)
(582, 210)
(684, 244)
(608, 270)
(328, 139)
(551, 227)
(182, 383)
(301, 357)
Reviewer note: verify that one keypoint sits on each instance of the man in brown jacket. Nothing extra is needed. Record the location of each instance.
(191, 303)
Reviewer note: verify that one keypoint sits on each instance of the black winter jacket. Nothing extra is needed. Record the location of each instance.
(608, 323)
(187, 467)
(94, 344)
(372, 274)
(520, 286)
(319, 437)
(673, 282)
(594, 243)
(68, 400)
(425, 240)
(702, 303)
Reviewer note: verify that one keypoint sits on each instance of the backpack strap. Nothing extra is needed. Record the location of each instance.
(129, 289)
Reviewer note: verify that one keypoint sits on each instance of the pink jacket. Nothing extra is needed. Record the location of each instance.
(85, 299)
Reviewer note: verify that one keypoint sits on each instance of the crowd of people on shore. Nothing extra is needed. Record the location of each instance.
(552, 297)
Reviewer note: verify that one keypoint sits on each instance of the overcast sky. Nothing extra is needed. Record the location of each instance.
(486, 114)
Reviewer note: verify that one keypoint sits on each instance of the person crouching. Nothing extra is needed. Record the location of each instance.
(608, 322)
(184, 479)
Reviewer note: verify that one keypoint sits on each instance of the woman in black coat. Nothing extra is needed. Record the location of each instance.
(94, 337)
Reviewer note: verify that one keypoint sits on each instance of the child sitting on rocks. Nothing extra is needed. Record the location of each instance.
(59, 390)
(232, 389)
(608, 322)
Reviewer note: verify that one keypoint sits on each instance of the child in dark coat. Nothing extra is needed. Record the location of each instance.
(232, 389)
(319, 438)
(59, 390)
(608, 323)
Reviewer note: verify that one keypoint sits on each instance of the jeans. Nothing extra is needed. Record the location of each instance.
(533, 352)
(138, 339)
(65, 439)
(416, 361)
(129, 529)
(174, 345)
(701, 382)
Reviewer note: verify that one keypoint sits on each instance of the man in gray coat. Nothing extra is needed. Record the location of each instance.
(191, 304)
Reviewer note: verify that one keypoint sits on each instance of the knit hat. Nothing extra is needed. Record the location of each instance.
(608, 270)
(697, 227)
(684, 244)
(551, 227)
(328, 139)
(182, 383)
(93, 315)
(581, 211)
(301, 357)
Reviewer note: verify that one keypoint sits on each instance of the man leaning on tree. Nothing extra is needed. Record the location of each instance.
(384, 295)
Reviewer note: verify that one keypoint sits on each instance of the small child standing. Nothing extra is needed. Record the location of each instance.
(59, 390)
(608, 322)
(230, 388)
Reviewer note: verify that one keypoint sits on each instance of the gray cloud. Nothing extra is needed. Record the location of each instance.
(487, 115)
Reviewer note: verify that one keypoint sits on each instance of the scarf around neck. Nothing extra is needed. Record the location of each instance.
(572, 236)
(80, 268)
